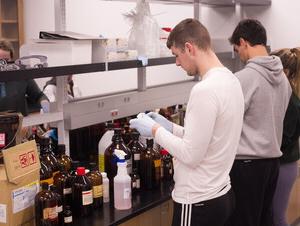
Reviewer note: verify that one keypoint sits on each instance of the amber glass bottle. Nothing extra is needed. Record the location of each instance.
(46, 174)
(146, 171)
(167, 170)
(156, 166)
(96, 178)
(68, 218)
(82, 194)
(136, 148)
(47, 156)
(62, 158)
(46, 207)
(110, 160)
(59, 208)
(63, 182)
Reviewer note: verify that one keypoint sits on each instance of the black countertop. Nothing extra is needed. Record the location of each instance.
(141, 202)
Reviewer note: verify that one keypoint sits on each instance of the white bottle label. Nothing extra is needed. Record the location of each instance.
(138, 183)
(127, 193)
(137, 157)
(68, 219)
(59, 209)
(87, 197)
(133, 184)
(67, 191)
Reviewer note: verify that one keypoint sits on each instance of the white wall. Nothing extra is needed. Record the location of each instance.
(105, 17)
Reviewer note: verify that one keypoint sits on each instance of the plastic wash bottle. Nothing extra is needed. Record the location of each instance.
(122, 183)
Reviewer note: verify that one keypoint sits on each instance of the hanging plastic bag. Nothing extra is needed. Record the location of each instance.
(144, 33)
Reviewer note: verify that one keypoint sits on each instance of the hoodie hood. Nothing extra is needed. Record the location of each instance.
(270, 67)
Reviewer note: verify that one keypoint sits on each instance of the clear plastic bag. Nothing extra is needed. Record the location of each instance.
(144, 33)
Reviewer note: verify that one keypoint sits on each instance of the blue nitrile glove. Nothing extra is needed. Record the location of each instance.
(161, 120)
(143, 123)
(45, 106)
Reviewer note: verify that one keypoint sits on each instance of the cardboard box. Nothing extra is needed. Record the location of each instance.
(19, 183)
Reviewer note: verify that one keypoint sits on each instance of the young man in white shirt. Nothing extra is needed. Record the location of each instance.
(204, 149)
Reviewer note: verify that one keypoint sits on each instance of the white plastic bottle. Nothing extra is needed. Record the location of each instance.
(105, 183)
(104, 142)
(122, 184)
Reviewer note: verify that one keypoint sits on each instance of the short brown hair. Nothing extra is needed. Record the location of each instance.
(189, 30)
(7, 46)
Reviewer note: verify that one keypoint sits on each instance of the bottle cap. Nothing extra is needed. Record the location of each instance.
(149, 143)
(164, 152)
(61, 149)
(44, 186)
(109, 125)
(80, 171)
(53, 188)
(117, 131)
(120, 155)
(135, 135)
(104, 174)
(93, 166)
(67, 207)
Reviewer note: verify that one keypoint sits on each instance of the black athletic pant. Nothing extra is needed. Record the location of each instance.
(253, 183)
(213, 212)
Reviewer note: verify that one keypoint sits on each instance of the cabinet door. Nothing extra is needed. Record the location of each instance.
(166, 213)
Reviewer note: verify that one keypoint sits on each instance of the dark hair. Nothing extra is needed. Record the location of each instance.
(7, 46)
(250, 30)
(189, 30)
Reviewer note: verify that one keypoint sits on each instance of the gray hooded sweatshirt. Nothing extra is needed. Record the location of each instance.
(266, 92)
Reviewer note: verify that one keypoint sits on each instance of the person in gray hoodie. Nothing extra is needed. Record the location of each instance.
(266, 93)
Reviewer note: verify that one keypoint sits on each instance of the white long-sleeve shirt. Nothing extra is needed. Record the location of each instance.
(204, 150)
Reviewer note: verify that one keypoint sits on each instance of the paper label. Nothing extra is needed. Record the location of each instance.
(68, 219)
(137, 157)
(138, 183)
(157, 163)
(23, 197)
(67, 191)
(2, 213)
(127, 193)
(59, 209)
(101, 163)
(97, 191)
(87, 197)
(50, 213)
(2, 140)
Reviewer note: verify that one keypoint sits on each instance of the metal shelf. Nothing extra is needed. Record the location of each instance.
(79, 69)
(50, 71)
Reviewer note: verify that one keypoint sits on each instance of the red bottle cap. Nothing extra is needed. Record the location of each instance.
(164, 152)
(80, 171)
(167, 29)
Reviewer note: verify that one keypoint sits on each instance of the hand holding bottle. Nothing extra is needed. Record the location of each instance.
(144, 124)
(162, 121)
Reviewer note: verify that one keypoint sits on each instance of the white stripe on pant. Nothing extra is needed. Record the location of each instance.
(186, 214)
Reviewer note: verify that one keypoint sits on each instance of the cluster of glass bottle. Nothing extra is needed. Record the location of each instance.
(145, 164)
(82, 190)
(76, 190)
